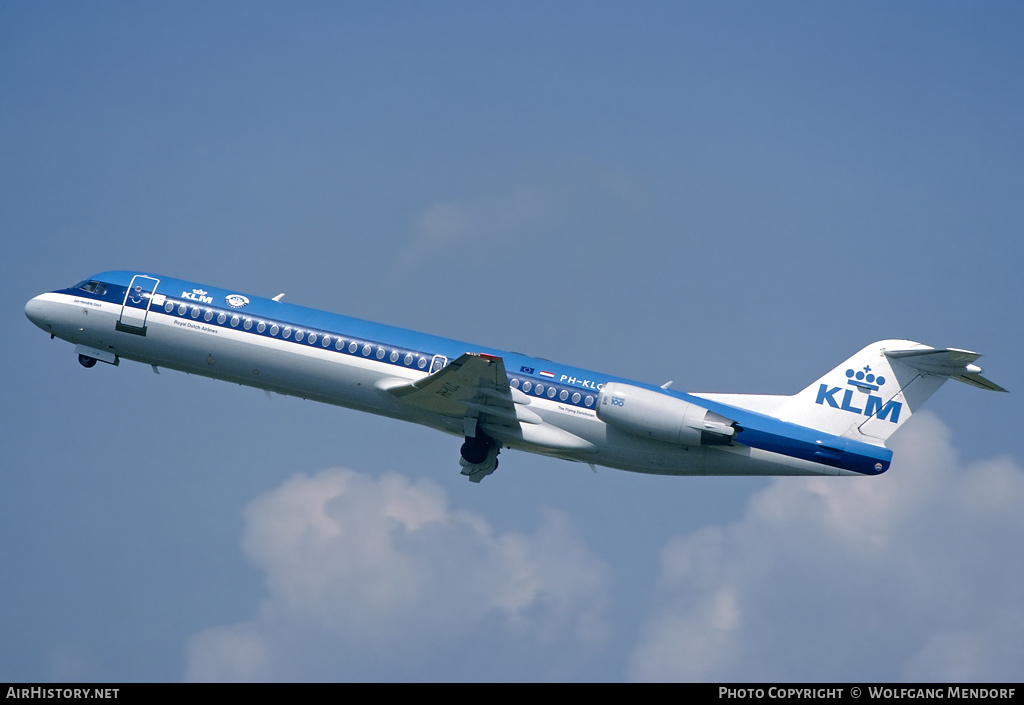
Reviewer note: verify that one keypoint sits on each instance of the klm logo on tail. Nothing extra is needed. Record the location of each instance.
(865, 381)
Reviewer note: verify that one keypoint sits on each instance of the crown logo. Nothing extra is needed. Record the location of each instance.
(864, 378)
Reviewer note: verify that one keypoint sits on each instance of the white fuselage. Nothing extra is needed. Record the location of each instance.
(355, 368)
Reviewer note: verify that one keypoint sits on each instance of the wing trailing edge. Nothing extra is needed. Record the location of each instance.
(473, 385)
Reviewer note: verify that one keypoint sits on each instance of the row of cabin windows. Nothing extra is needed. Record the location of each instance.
(353, 347)
(538, 389)
(300, 335)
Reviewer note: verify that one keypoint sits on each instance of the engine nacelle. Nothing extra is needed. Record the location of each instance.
(660, 416)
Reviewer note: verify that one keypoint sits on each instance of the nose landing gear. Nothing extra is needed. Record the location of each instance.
(88, 356)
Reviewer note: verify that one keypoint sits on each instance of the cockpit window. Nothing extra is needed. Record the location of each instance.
(93, 287)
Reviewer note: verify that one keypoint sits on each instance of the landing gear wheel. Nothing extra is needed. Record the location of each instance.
(86, 361)
(479, 457)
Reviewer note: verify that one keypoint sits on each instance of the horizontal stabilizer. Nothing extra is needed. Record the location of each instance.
(949, 362)
(976, 380)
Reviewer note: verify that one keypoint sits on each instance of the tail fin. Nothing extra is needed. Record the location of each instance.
(872, 394)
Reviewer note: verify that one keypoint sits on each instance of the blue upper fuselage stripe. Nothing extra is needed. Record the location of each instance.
(351, 328)
(759, 431)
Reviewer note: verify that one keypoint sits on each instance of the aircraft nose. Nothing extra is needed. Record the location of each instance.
(35, 309)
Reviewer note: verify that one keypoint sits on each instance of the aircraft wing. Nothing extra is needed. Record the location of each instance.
(471, 386)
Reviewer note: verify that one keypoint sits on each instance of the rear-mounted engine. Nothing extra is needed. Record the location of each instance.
(659, 416)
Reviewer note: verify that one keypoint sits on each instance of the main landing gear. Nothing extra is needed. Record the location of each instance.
(479, 456)
(86, 361)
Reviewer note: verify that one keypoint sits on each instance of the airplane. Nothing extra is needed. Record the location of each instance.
(495, 399)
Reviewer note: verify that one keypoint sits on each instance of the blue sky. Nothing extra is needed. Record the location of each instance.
(733, 196)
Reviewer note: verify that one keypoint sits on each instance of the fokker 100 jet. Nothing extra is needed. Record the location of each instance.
(495, 399)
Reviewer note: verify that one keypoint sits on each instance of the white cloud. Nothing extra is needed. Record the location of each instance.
(530, 214)
(441, 225)
(378, 578)
(913, 575)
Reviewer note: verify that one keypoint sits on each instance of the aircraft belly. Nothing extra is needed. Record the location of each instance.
(283, 367)
(625, 451)
(716, 461)
(196, 347)
(614, 447)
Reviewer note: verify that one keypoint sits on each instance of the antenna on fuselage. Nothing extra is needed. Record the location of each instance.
(278, 297)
